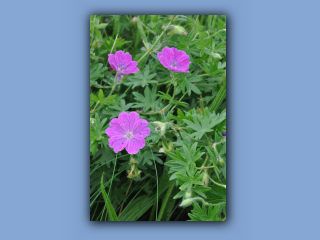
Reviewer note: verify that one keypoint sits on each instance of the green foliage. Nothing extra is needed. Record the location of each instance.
(202, 124)
(204, 213)
(112, 213)
(193, 131)
(148, 101)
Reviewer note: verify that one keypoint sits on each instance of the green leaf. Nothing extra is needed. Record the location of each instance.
(102, 25)
(204, 123)
(149, 100)
(220, 95)
(186, 83)
(142, 33)
(142, 78)
(206, 213)
(111, 211)
(100, 95)
(136, 208)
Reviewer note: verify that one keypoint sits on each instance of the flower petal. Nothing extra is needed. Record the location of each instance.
(138, 141)
(112, 61)
(115, 124)
(131, 147)
(112, 132)
(118, 57)
(118, 143)
(143, 133)
(133, 118)
(131, 67)
(127, 58)
(124, 121)
(139, 126)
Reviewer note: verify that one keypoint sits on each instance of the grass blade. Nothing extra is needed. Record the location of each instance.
(220, 95)
(165, 200)
(111, 211)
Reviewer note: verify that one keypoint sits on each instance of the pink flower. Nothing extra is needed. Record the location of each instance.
(122, 62)
(127, 131)
(174, 60)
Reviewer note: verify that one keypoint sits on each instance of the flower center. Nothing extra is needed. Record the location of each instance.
(122, 67)
(128, 135)
(174, 64)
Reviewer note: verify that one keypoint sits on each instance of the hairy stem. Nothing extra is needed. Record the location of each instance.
(221, 185)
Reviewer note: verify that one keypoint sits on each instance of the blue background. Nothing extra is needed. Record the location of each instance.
(273, 120)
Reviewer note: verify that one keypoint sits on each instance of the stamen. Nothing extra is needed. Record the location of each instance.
(122, 67)
(174, 64)
(128, 135)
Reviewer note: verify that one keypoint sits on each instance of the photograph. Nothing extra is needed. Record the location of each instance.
(158, 118)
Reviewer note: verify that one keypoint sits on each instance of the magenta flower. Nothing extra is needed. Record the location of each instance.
(122, 62)
(174, 60)
(127, 131)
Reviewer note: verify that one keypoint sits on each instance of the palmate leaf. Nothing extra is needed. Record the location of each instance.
(115, 110)
(97, 129)
(149, 100)
(147, 157)
(204, 123)
(206, 213)
(217, 195)
(183, 159)
(185, 83)
(142, 79)
(96, 71)
(166, 96)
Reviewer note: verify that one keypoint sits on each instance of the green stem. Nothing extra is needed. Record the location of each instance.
(159, 84)
(208, 139)
(179, 101)
(204, 202)
(204, 167)
(174, 93)
(221, 185)
(205, 161)
(153, 210)
(165, 200)
(165, 108)
(216, 33)
(168, 88)
(192, 137)
(206, 84)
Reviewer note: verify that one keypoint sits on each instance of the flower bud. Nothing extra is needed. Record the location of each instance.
(133, 161)
(134, 173)
(160, 127)
(134, 20)
(188, 194)
(185, 203)
(177, 30)
(205, 179)
(224, 134)
(165, 149)
(221, 163)
(217, 56)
